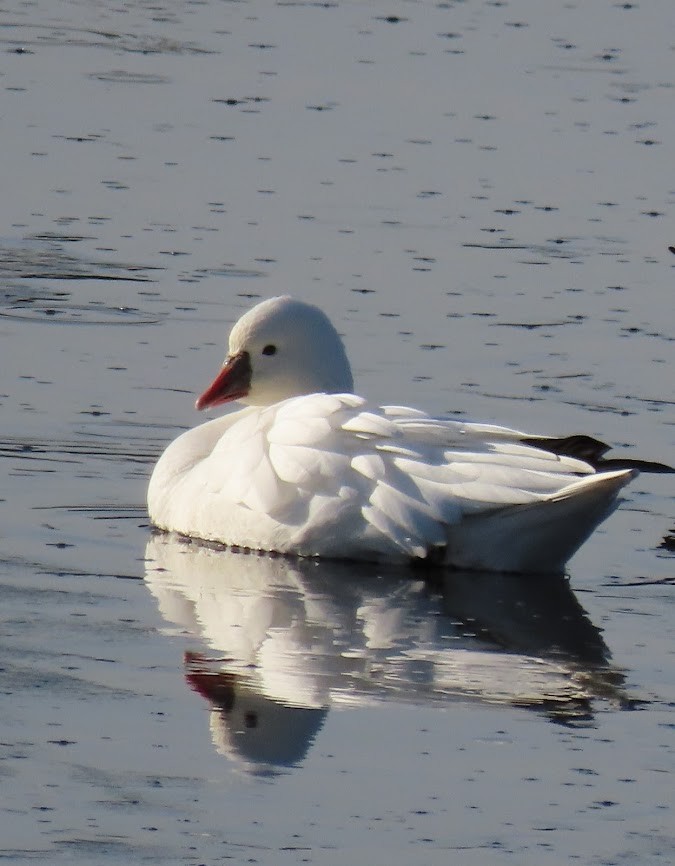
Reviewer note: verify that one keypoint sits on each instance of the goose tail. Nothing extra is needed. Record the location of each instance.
(538, 537)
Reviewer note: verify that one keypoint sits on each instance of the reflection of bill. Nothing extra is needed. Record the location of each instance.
(288, 638)
(259, 733)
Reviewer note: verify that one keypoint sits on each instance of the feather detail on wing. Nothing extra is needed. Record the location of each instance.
(325, 469)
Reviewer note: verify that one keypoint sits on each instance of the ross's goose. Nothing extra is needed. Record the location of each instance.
(309, 468)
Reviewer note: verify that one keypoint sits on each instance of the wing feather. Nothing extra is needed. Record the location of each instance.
(371, 466)
(370, 424)
(325, 471)
(414, 518)
(388, 528)
(299, 431)
(307, 466)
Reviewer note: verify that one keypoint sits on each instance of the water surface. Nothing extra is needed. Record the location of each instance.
(480, 196)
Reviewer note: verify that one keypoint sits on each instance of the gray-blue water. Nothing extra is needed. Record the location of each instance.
(480, 194)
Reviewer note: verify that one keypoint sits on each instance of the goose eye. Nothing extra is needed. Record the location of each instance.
(269, 350)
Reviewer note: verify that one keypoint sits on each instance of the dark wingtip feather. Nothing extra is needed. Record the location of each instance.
(579, 446)
(629, 463)
(593, 451)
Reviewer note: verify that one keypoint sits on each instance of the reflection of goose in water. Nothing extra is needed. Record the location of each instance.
(289, 638)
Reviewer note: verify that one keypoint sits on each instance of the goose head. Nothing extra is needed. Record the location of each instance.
(279, 349)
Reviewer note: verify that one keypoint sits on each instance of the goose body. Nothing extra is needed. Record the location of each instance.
(309, 468)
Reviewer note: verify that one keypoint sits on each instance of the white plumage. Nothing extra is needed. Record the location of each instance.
(309, 470)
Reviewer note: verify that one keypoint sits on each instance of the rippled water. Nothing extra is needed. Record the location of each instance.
(480, 196)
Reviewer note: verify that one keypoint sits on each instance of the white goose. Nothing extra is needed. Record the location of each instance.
(310, 469)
